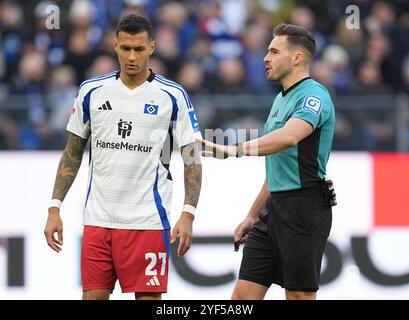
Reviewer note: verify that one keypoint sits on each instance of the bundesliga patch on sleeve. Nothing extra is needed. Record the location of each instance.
(313, 105)
(193, 121)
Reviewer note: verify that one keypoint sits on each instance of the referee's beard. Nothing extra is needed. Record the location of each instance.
(278, 74)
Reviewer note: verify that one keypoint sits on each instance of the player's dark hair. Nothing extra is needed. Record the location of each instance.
(297, 36)
(134, 24)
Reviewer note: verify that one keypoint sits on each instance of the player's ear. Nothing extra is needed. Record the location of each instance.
(152, 47)
(298, 57)
(116, 45)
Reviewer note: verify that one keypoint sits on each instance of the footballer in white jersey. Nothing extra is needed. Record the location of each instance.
(131, 118)
(130, 186)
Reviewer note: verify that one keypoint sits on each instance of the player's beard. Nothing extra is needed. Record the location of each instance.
(277, 74)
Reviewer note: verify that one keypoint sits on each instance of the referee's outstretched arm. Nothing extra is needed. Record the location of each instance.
(278, 140)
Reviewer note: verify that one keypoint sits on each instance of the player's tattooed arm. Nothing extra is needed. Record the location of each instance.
(69, 165)
(193, 183)
(193, 173)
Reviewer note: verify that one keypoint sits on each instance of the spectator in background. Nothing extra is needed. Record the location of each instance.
(378, 127)
(322, 72)
(233, 13)
(135, 7)
(382, 18)
(9, 133)
(11, 22)
(304, 17)
(211, 23)
(404, 97)
(400, 39)
(352, 40)
(105, 47)
(191, 77)
(201, 53)
(254, 42)
(369, 79)
(260, 19)
(49, 41)
(167, 48)
(80, 55)
(2, 65)
(156, 64)
(274, 12)
(62, 91)
(378, 51)
(337, 59)
(84, 38)
(102, 65)
(344, 138)
(30, 86)
(404, 86)
(176, 15)
(231, 77)
(82, 17)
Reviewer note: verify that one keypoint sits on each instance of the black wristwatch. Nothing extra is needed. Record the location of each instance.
(240, 150)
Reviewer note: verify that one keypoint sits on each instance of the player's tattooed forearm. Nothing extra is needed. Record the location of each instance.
(69, 165)
(193, 183)
(193, 174)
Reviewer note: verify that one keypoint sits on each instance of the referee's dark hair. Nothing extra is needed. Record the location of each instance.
(297, 36)
(134, 24)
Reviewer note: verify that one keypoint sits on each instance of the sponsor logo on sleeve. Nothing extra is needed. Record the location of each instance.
(193, 121)
(313, 105)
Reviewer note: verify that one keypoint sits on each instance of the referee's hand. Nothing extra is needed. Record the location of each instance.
(241, 231)
(217, 151)
(53, 225)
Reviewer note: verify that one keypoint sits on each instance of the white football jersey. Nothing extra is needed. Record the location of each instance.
(131, 131)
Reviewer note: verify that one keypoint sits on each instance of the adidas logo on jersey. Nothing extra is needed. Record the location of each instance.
(105, 106)
(154, 282)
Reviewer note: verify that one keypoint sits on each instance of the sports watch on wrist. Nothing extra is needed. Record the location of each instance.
(240, 150)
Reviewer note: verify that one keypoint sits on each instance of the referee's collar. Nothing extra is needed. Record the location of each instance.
(150, 77)
(285, 92)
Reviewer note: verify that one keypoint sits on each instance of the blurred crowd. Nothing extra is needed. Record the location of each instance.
(208, 46)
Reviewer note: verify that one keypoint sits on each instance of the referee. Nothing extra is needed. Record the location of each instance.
(288, 225)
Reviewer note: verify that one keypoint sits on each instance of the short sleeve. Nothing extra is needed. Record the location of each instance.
(79, 122)
(185, 122)
(312, 109)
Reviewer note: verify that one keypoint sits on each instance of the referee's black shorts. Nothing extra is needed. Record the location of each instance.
(286, 245)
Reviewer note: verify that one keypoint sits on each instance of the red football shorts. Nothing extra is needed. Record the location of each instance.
(137, 258)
